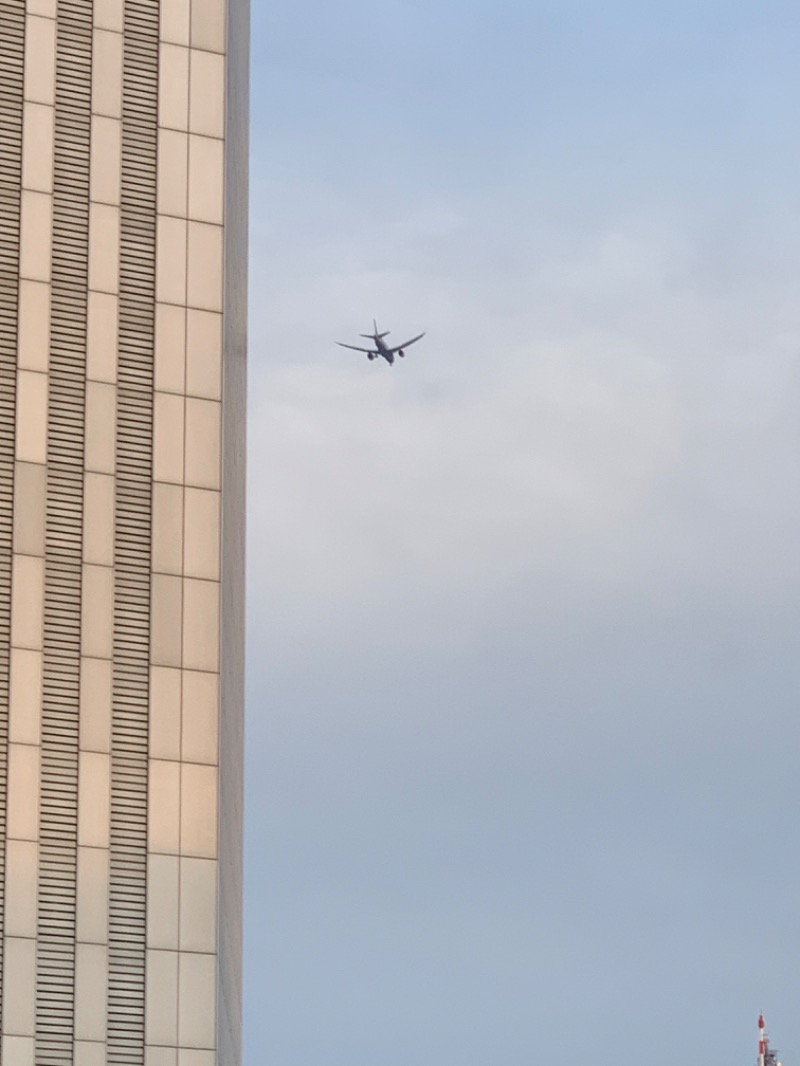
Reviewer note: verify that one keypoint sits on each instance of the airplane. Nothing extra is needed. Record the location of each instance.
(381, 347)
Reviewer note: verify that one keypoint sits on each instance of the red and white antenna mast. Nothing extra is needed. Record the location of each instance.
(762, 1042)
(767, 1056)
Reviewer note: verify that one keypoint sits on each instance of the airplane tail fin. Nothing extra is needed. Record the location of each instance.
(375, 336)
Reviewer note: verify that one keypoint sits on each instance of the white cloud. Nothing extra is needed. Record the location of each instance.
(598, 416)
(367, 477)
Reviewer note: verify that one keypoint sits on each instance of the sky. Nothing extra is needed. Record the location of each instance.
(524, 608)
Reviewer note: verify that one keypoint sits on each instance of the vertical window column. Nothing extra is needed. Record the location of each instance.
(59, 254)
(94, 791)
(12, 874)
(133, 535)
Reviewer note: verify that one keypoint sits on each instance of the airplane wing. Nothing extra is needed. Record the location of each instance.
(355, 348)
(407, 344)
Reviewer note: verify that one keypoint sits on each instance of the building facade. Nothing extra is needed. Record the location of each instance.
(123, 247)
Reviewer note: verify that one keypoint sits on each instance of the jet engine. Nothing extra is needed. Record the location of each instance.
(370, 356)
(401, 353)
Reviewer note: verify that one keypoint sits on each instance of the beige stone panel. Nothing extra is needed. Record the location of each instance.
(92, 896)
(102, 337)
(25, 696)
(36, 236)
(161, 1003)
(168, 437)
(200, 625)
(19, 995)
(31, 417)
(204, 277)
(163, 887)
(21, 887)
(27, 602)
(165, 713)
(198, 905)
(204, 354)
(104, 223)
(98, 519)
(37, 147)
(40, 60)
(207, 97)
(160, 1056)
(166, 620)
(29, 508)
(206, 170)
(208, 25)
(23, 792)
(95, 705)
(199, 811)
(89, 1053)
(91, 991)
(200, 730)
(97, 613)
(46, 8)
(107, 74)
(170, 372)
(94, 802)
(197, 1001)
(167, 540)
(164, 807)
(202, 443)
(106, 160)
(173, 88)
(173, 177)
(201, 535)
(171, 260)
(196, 1057)
(175, 15)
(33, 343)
(101, 427)
(109, 15)
(17, 1051)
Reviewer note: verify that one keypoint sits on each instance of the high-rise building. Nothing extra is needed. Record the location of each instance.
(123, 163)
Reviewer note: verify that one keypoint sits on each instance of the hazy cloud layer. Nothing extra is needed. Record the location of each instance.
(524, 608)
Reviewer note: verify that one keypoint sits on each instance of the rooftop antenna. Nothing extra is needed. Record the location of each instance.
(762, 1042)
(766, 1055)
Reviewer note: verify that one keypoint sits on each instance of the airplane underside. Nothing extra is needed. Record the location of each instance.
(382, 349)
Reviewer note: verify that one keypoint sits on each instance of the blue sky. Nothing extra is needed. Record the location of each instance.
(524, 610)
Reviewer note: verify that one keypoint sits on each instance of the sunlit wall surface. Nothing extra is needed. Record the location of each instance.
(122, 385)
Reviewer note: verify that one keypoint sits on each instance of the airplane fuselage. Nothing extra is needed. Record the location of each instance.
(383, 349)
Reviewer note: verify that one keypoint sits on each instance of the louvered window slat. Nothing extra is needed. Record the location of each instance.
(12, 49)
(55, 991)
(135, 370)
